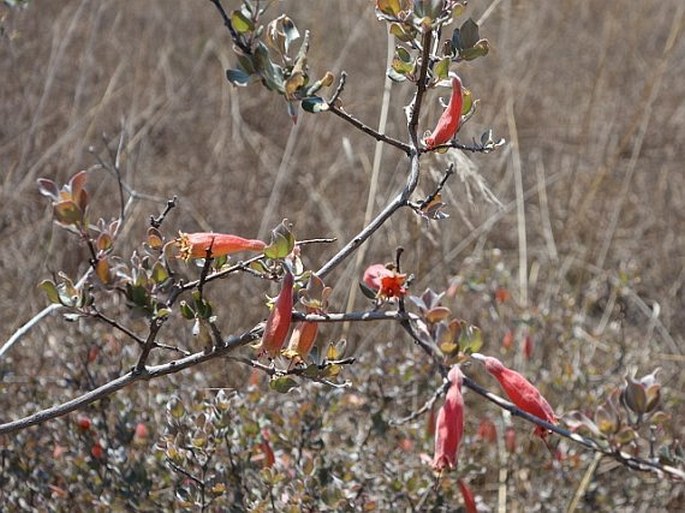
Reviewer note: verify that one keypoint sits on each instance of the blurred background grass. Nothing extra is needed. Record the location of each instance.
(589, 95)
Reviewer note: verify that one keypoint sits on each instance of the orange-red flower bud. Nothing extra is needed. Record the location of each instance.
(448, 124)
(195, 245)
(385, 282)
(278, 322)
(520, 391)
(450, 424)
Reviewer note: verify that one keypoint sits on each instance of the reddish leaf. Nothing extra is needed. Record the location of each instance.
(77, 182)
(48, 188)
(267, 451)
(67, 212)
(97, 451)
(102, 270)
(83, 423)
(141, 432)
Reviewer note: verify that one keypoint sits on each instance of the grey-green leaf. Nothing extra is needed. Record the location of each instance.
(314, 104)
(468, 34)
(237, 77)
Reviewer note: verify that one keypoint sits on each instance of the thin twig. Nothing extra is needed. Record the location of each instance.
(185, 473)
(334, 106)
(426, 406)
(97, 314)
(33, 321)
(340, 112)
(441, 185)
(428, 492)
(156, 222)
(474, 147)
(271, 369)
(372, 315)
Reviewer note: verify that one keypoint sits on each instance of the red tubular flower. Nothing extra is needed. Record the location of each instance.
(448, 124)
(450, 424)
(467, 494)
(195, 245)
(385, 282)
(487, 431)
(267, 451)
(278, 322)
(302, 338)
(520, 391)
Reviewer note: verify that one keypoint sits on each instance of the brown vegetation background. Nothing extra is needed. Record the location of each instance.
(589, 95)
